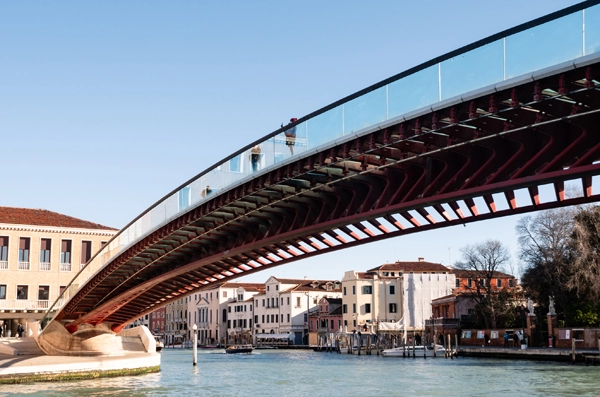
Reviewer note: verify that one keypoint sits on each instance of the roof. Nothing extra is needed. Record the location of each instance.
(364, 276)
(253, 287)
(461, 273)
(416, 266)
(292, 280)
(333, 301)
(314, 285)
(41, 217)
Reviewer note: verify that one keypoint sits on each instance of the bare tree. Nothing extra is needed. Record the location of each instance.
(545, 241)
(483, 262)
(585, 272)
(561, 250)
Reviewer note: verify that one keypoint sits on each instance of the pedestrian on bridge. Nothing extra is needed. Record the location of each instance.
(255, 158)
(290, 135)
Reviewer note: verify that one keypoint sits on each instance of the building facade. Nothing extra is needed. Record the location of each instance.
(283, 309)
(176, 324)
(40, 253)
(390, 292)
(157, 321)
(326, 320)
(209, 310)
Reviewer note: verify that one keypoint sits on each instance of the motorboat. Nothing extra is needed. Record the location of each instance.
(239, 349)
(159, 343)
(417, 351)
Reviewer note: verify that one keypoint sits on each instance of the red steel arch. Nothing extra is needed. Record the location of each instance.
(409, 177)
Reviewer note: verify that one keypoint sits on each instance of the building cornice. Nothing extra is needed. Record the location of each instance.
(52, 229)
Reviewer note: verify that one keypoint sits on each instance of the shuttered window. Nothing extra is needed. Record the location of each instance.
(86, 251)
(45, 250)
(3, 248)
(65, 251)
(24, 249)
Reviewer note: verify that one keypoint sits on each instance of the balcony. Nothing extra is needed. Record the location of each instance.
(3, 265)
(26, 304)
(65, 267)
(45, 266)
(24, 266)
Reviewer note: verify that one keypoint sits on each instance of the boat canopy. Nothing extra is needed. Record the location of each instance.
(397, 326)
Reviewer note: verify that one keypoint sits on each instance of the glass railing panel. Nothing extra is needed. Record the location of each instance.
(266, 154)
(365, 111)
(184, 197)
(171, 205)
(325, 127)
(195, 191)
(592, 29)
(544, 45)
(146, 222)
(157, 215)
(124, 237)
(413, 91)
(472, 70)
(212, 181)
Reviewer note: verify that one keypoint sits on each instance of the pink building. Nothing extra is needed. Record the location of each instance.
(326, 319)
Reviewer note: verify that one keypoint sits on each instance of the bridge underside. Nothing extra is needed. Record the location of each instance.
(416, 175)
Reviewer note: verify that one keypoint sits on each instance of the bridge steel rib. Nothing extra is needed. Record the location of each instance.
(419, 174)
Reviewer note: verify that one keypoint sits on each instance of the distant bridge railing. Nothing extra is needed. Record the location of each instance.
(560, 37)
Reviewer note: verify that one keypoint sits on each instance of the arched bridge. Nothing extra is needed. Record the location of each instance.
(452, 141)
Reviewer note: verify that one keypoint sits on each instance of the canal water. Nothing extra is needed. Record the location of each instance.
(308, 373)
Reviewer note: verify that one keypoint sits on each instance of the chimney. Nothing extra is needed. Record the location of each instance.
(421, 259)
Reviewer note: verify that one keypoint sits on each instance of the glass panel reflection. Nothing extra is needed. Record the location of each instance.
(413, 92)
(544, 45)
(325, 127)
(475, 69)
(365, 111)
(592, 30)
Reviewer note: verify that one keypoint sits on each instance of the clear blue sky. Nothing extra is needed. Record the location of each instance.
(106, 106)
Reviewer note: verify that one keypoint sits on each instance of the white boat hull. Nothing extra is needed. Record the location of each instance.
(419, 351)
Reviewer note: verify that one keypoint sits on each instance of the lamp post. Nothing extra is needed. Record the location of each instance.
(307, 307)
(195, 347)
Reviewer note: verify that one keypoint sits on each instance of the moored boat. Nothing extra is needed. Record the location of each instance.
(159, 343)
(417, 351)
(239, 349)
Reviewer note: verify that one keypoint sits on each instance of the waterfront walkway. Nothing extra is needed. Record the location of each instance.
(20, 369)
(21, 361)
(531, 353)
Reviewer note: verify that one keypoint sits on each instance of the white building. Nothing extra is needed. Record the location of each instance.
(209, 310)
(240, 315)
(392, 291)
(282, 310)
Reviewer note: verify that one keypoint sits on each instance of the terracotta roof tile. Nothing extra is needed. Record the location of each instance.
(253, 287)
(40, 217)
(417, 266)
